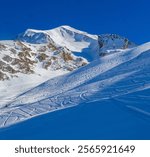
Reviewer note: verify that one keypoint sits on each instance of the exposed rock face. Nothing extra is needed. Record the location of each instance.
(3, 76)
(109, 43)
(19, 57)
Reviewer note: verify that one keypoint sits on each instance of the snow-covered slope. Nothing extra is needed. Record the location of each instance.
(118, 77)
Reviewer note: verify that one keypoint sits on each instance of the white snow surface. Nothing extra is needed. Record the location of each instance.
(111, 77)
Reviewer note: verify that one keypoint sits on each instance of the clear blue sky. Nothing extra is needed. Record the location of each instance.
(129, 18)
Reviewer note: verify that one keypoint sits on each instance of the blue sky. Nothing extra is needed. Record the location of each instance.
(129, 18)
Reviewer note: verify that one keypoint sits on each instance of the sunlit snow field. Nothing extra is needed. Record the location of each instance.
(106, 99)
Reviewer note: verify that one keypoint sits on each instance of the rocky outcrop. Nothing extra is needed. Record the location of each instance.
(111, 43)
(19, 57)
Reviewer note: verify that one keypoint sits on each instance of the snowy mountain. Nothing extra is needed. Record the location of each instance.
(36, 56)
(93, 68)
(78, 41)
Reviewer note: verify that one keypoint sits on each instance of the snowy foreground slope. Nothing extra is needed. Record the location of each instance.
(106, 99)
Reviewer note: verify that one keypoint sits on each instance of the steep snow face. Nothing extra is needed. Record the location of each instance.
(81, 43)
(34, 37)
(118, 77)
(73, 39)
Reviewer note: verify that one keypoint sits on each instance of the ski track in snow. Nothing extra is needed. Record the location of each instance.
(117, 76)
